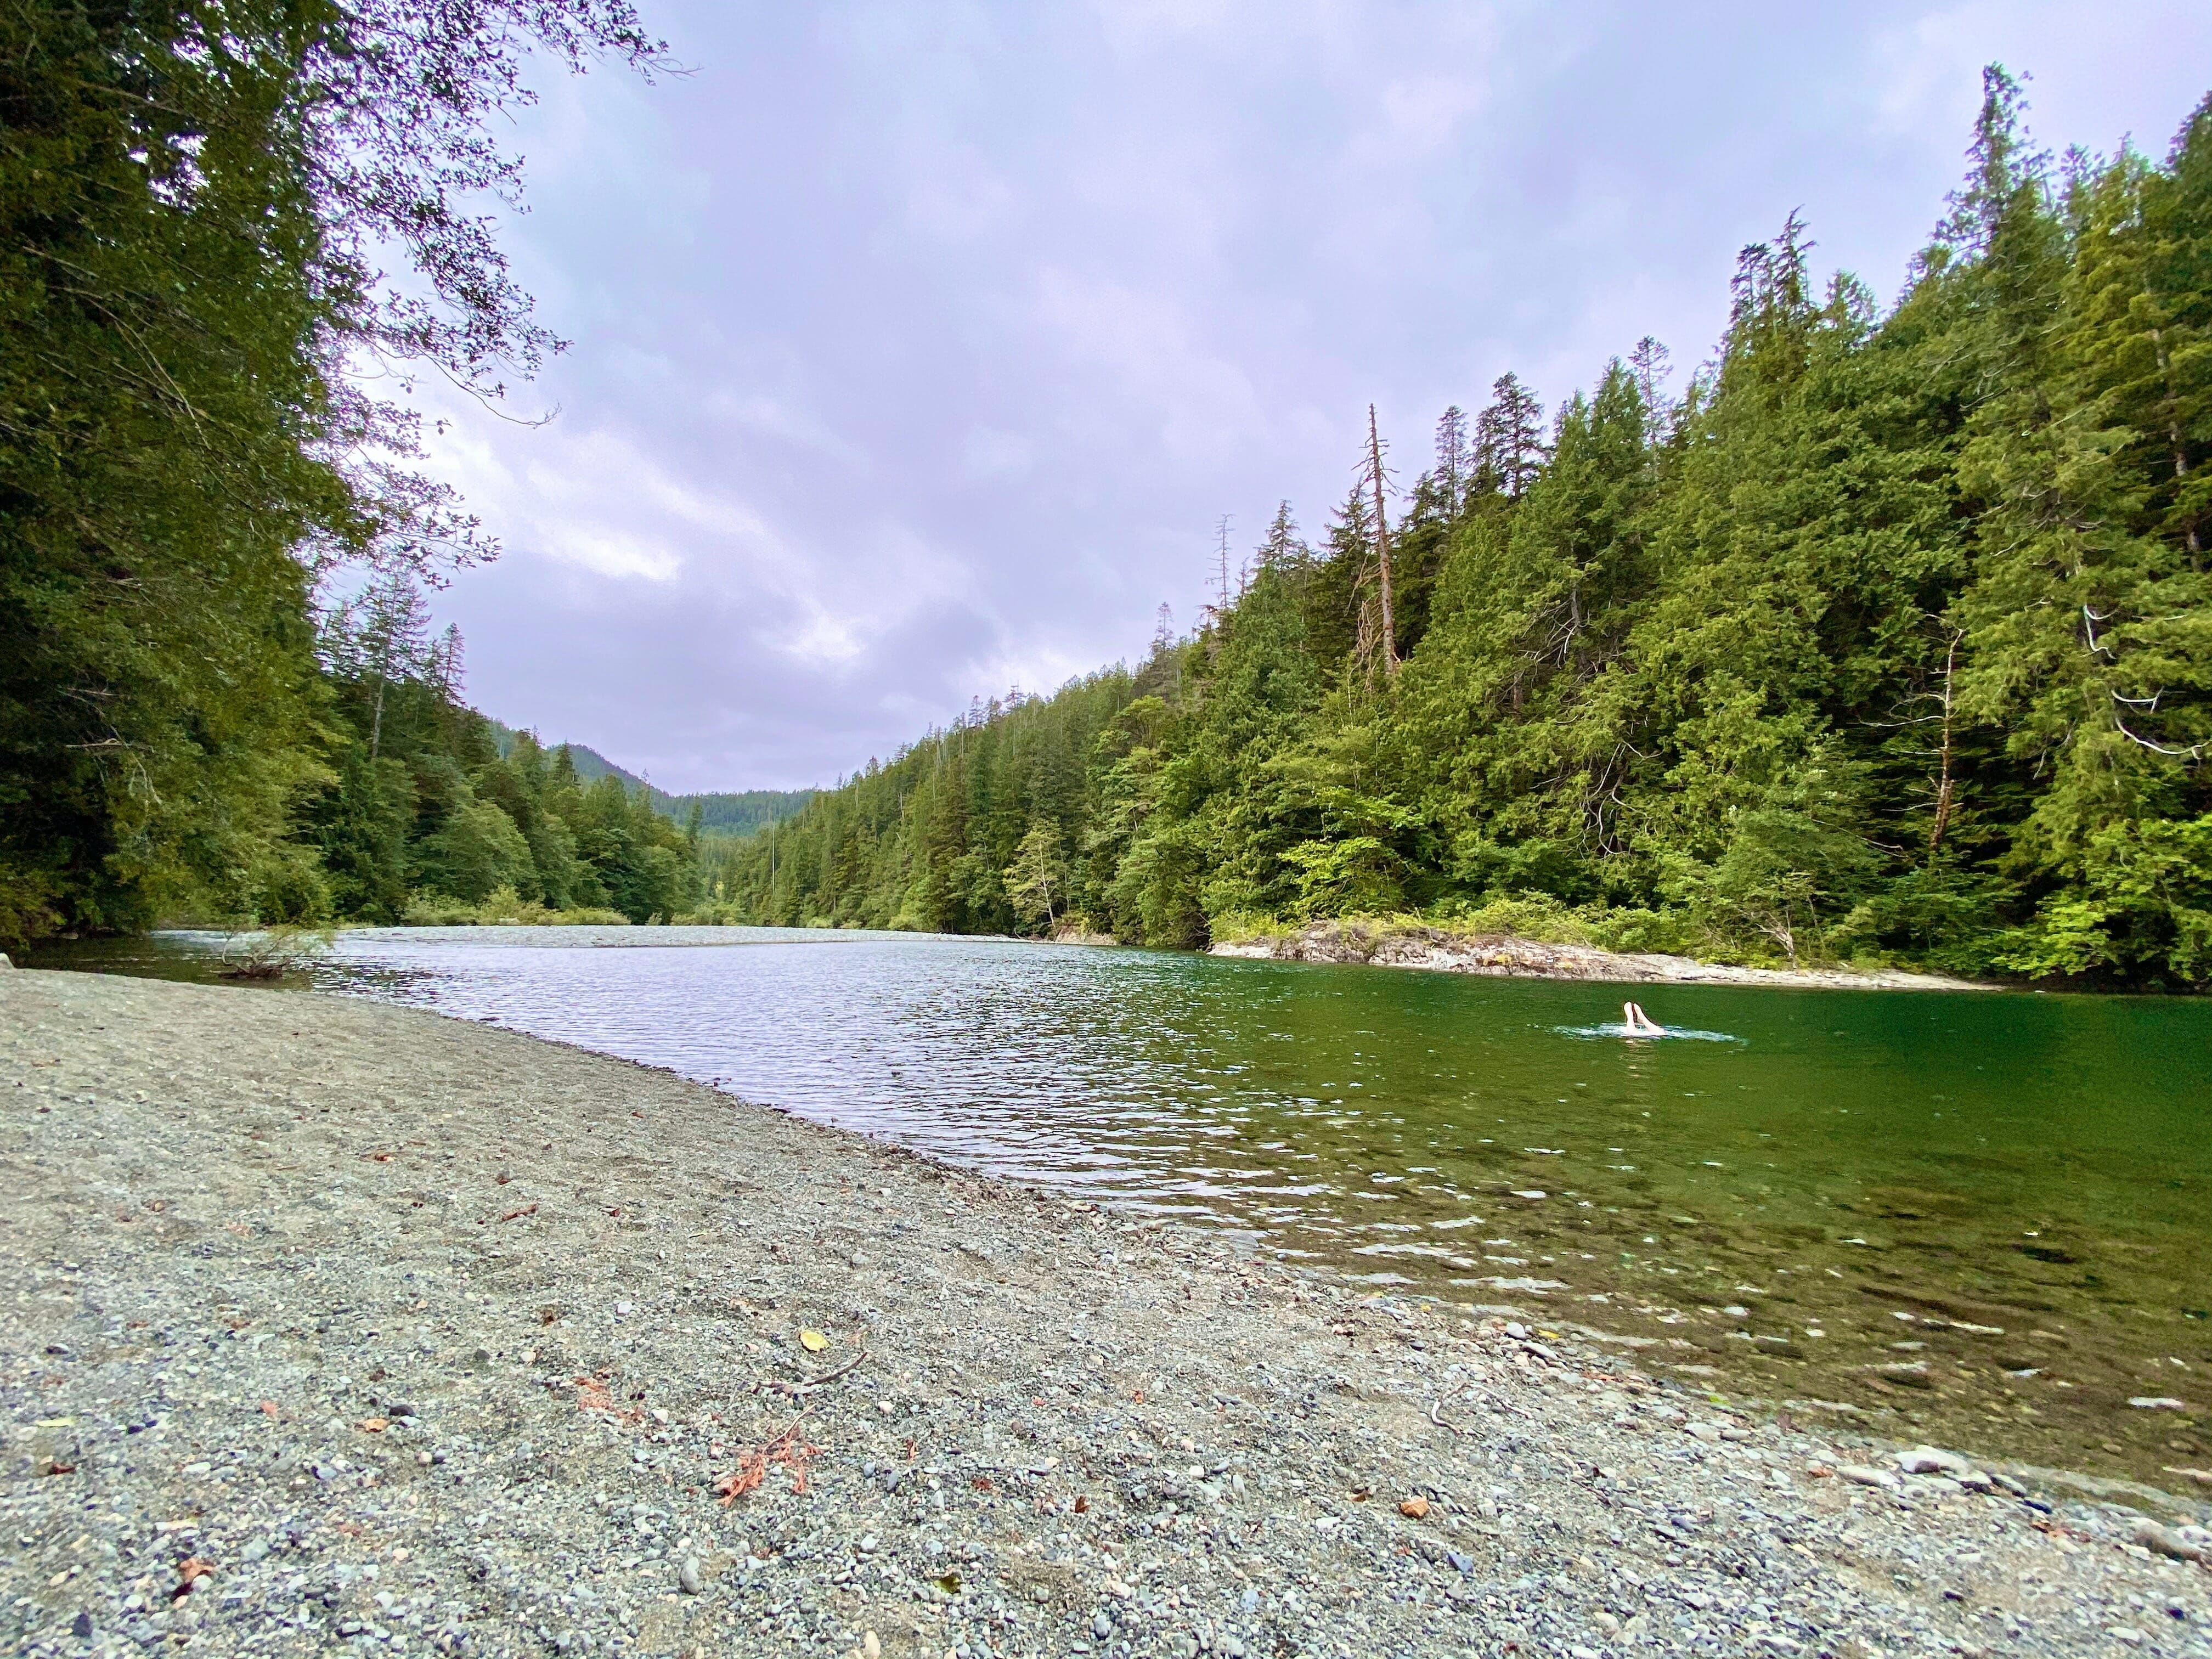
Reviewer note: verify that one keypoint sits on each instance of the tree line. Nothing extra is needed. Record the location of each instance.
(205, 436)
(425, 815)
(1884, 637)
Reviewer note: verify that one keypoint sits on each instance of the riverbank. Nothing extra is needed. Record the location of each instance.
(1414, 945)
(386, 1329)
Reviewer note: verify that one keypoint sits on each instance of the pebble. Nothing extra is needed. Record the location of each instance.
(2174, 1546)
(1866, 1475)
(1927, 1460)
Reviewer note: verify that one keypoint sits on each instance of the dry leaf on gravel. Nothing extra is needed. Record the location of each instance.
(787, 1449)
(813, 1342)
(592, 1394)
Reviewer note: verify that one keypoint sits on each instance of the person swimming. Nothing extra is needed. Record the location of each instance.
(1637, 1023)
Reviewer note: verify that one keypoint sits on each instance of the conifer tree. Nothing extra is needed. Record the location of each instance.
(1509, 437)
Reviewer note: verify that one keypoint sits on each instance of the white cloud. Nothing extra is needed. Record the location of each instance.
(1198, 401)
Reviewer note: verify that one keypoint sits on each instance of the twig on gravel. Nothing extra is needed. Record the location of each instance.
(1440, 1422)
(800, 1390)
(1498, 1404)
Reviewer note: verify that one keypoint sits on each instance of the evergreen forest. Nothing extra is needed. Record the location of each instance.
(1885, 636)
(222, 696)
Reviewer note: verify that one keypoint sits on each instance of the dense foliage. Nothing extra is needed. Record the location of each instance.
(429, 817)
(1887, 638)
(193, 197)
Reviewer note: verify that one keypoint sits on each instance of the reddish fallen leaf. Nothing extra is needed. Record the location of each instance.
(787, 1449)
(616, 1211)
(592, 1394)
(375, 1425)
(502, 1181)
(191, 1572)
(982, 1483)
(269, 1407)
(1082, 1504)
(55, 1467)
(1139, 1396)
(527, 1209)
(380, 1157)
(1414, 1509)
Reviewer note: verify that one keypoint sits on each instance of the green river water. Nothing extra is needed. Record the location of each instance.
(1979, 1218)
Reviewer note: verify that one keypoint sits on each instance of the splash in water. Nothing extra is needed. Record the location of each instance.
(1616, 1029)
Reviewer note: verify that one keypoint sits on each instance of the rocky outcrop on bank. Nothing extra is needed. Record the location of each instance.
(342, 1328)
(1412, 944)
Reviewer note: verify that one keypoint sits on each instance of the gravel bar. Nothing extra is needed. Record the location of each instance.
(340, 1328)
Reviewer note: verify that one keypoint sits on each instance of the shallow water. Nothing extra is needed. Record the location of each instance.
(1985, 1216)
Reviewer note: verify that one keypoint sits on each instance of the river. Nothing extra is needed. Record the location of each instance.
(1985, 1218)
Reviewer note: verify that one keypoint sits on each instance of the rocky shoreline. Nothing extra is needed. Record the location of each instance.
(1411, 945)
(342, 1328)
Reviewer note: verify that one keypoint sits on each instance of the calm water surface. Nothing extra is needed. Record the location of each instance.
(1986, 1215)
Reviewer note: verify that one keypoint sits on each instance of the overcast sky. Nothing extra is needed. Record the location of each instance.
(917, 348)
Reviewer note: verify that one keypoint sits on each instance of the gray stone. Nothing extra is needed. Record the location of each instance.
(1863, 1474)
(1930, 1460)
(687, 1576)
(2164, 1541)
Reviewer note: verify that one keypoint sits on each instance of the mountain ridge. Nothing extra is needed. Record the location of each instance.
(731, 812)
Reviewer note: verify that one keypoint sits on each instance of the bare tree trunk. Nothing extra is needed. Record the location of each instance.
(1382, 547)
(1943, 783)
(2173, 433)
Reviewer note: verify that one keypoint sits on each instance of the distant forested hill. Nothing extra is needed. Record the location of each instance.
(739, 813)
(730, 812)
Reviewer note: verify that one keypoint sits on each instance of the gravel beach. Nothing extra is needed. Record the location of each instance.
(1503, 955)
(344, 1327)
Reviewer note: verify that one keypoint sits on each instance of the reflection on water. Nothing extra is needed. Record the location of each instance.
(1986, 1215)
